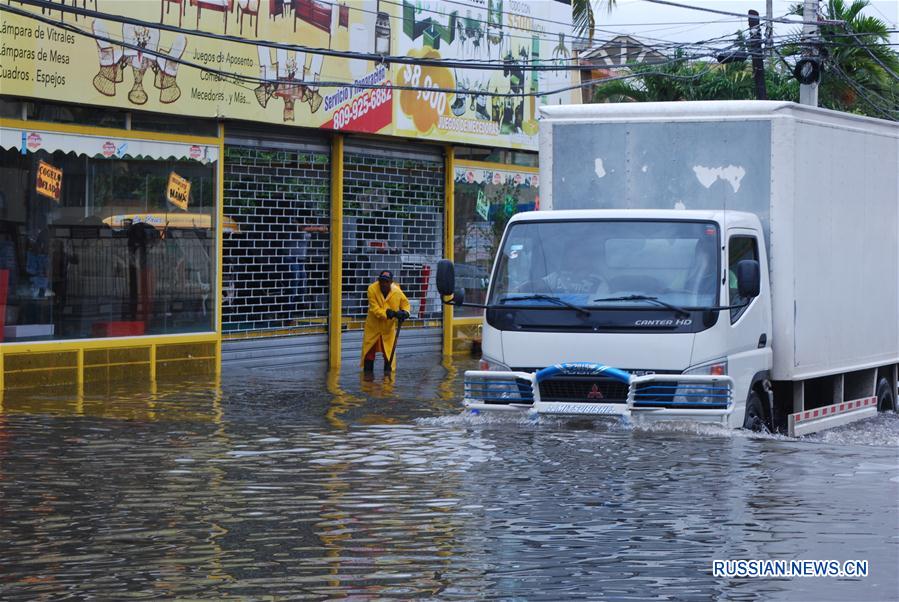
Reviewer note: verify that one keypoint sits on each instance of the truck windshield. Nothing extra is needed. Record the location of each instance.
(609, 263)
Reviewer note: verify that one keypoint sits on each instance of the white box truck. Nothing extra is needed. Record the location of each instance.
(733, 262)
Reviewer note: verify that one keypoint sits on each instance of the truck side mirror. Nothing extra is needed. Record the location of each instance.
(748, 278)
(446, 277)
(458, 296)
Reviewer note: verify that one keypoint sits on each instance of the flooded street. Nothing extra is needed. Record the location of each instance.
(292, 484)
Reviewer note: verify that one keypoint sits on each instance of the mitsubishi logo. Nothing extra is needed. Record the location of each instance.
(595, 393)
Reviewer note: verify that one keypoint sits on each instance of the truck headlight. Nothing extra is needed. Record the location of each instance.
(688, 393)
(713, 368)
(487, 363)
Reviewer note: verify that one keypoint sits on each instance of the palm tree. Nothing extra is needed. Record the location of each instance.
(649, 84)
(696, 80)
(583, 16)
(861, 70)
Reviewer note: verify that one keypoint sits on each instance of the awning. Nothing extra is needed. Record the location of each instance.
(109, 147)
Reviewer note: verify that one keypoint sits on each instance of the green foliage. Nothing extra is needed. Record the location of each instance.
(861, 73)
(861, 70)
(584, 17)
(695, 80)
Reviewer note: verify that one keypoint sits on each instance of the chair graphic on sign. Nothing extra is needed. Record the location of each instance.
(167, 71)
(251, 8)
(110, 72)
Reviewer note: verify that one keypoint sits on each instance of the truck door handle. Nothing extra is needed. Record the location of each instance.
(763, 340)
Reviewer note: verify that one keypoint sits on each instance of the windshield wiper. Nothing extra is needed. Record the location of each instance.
(551, 299)
(680, 310)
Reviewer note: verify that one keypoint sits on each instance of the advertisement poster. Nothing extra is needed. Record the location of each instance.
(178, 191)
(49, 181)
(213, 58)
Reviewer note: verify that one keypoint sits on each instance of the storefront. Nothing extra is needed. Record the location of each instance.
(105, 234)
(201, 196)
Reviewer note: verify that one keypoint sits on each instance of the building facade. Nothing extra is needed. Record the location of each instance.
(190, 181)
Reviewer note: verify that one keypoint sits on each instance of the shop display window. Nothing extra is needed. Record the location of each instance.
(102, 247)
(485, 198)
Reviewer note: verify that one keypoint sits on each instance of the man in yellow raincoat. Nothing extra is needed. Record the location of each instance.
(386, 303)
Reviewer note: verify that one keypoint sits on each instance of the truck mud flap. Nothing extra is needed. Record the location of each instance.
(819, 419)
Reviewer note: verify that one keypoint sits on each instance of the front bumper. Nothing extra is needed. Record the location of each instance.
(654, 397)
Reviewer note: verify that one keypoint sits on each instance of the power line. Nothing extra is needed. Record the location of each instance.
(883, 66)
(887, 114)
(849, 81)
(872, 40)
(48, 4)
(237, 79)
(378, 58)
(346, 54)
(551, 65)
(400, 19)
(727, 12)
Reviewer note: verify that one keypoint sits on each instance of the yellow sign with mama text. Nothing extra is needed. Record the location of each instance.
(178, 191)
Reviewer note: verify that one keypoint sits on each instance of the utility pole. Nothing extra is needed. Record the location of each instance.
(769, 31)
(808, 93)
(758, 63)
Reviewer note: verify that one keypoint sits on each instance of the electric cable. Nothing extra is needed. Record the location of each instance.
(237, 79)
(346, 54)
(761, 18)
(886, 113)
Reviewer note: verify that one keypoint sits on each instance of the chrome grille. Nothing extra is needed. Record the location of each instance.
(590, 389)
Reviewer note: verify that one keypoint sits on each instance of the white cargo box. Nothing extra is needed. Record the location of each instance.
(824, 184)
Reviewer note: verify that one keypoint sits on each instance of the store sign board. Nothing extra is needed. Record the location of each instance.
(49, 181)
(183, 73)
(178, 191)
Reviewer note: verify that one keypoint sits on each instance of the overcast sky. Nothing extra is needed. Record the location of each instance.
(649, 20)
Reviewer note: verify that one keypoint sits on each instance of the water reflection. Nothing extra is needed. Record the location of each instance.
(305, 483)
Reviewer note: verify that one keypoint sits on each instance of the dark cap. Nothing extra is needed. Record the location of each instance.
(386, 276)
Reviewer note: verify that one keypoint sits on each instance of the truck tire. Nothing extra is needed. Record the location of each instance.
(886, 399)
(754, 418)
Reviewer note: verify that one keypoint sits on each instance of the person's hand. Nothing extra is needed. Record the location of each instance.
(402, 315)
(391, 314)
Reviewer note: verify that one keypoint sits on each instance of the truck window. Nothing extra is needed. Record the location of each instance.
(739, 248)
(583, 260)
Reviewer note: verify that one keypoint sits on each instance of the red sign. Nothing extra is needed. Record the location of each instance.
(369, 112)
(34, 141)
(108, 149)
(196, 152)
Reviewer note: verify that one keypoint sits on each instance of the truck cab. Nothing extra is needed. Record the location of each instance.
(650, 292)
(726, 261)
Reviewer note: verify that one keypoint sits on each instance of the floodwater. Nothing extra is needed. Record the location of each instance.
(292, 484)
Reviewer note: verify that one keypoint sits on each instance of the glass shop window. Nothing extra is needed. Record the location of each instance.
(95, 247)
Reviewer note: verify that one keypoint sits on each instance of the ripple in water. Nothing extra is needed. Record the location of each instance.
(290, 488)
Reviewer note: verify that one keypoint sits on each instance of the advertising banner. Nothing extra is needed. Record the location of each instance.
(178, 191)
(218, 59)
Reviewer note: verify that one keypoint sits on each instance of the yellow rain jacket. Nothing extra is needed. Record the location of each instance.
(379, 330)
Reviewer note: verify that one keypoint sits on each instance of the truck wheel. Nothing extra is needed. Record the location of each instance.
(754, 418)
(886, 401)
